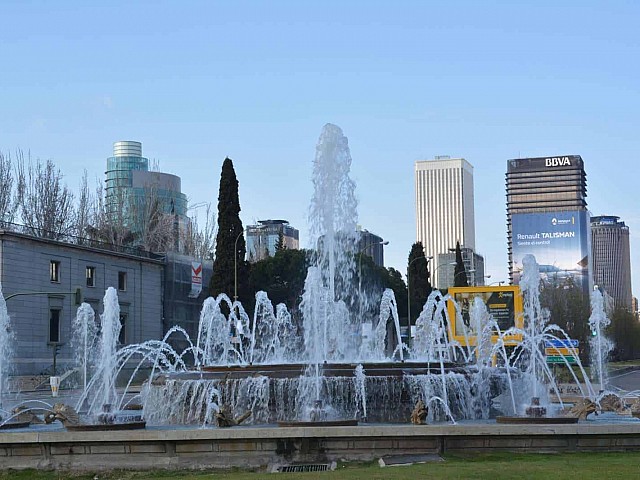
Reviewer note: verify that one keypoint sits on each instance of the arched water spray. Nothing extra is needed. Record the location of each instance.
(600, 345)
(220, 337)
(6, 347)
(273, 338)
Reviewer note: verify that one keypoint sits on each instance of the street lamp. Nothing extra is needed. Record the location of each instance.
(235, 267)
(430, 257)
(443, 265)
(499, 283)
(385, 242)
(466, 272)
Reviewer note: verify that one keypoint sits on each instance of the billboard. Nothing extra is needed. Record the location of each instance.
(558, 240)
(504, 304)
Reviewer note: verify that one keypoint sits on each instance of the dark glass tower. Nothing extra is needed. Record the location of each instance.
(547, 216)
(611, 258)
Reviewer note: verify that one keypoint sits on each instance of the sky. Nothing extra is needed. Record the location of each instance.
(407, 80)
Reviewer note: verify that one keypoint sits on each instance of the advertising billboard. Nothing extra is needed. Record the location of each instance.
(504, 304)
(558, 240)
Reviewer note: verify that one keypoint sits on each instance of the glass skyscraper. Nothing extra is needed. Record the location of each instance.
(130, 186)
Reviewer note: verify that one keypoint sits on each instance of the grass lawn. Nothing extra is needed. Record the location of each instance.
(583, 466)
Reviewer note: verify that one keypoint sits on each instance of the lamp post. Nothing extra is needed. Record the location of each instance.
(443, 265)
(472, 270)
(499, 283)
(235, 267)
(430, 257)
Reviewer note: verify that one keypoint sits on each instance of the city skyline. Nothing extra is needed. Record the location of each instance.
(197, 82)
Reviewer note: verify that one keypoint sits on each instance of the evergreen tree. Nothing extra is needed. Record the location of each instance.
(625, 333)
(418, 280)
(395, 282)
(229, 263)
(459, 273)
(280, 243)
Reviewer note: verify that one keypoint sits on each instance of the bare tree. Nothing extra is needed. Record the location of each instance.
(83, 211)
(157, 229)
(7, 198)
(200, 243)
(108, 218)
(45, 203)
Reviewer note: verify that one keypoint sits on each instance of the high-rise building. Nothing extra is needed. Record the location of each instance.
(634, 307)
(547, 217)
(132, 190)
(444, 205)
(263, 238)
(611, 258)
(372, 245)
(473, 266)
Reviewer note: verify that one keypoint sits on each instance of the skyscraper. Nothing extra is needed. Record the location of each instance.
(611, 258)
(444, 205)
(372, 245)
(133, 193)
(547, 217)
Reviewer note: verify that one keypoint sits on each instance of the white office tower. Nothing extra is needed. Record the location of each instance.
(444, 206)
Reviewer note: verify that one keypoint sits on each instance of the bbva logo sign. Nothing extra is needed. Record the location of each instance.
(557, 161)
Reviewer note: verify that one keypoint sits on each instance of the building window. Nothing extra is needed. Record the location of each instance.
(54, 271)
(122, 338)
(91, 276)
(122, 281)
(54, 325)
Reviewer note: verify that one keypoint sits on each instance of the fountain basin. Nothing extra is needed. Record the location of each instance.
(536, 420)
(374, 392)
(10, 425)
(106, 427)
(292, 370)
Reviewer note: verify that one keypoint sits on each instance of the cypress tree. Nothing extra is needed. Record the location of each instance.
(230, 243)
(418, 280)
(280, 243)
(459, 273)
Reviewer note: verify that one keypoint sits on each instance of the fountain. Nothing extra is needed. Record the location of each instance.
(336, 366)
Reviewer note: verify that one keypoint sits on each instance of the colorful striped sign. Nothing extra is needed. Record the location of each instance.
(561, 343)
(561, 359)
(561, 351)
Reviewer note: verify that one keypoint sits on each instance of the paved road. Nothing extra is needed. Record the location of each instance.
(628, 381)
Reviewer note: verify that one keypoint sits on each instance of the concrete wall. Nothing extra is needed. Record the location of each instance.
(25, 267)
(259, 447)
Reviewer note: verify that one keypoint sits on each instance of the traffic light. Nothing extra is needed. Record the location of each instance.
(594, 333)
(78, 296)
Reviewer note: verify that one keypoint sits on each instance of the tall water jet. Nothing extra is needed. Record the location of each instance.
(84, 338)
(103, 384)
(535, 319)
(6, 346)
(600, 345)
(332, 219)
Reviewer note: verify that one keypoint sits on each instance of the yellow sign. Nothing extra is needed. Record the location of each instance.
(504, 304)
(561, 351)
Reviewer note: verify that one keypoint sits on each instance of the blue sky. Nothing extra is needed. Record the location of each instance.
(197, 81)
